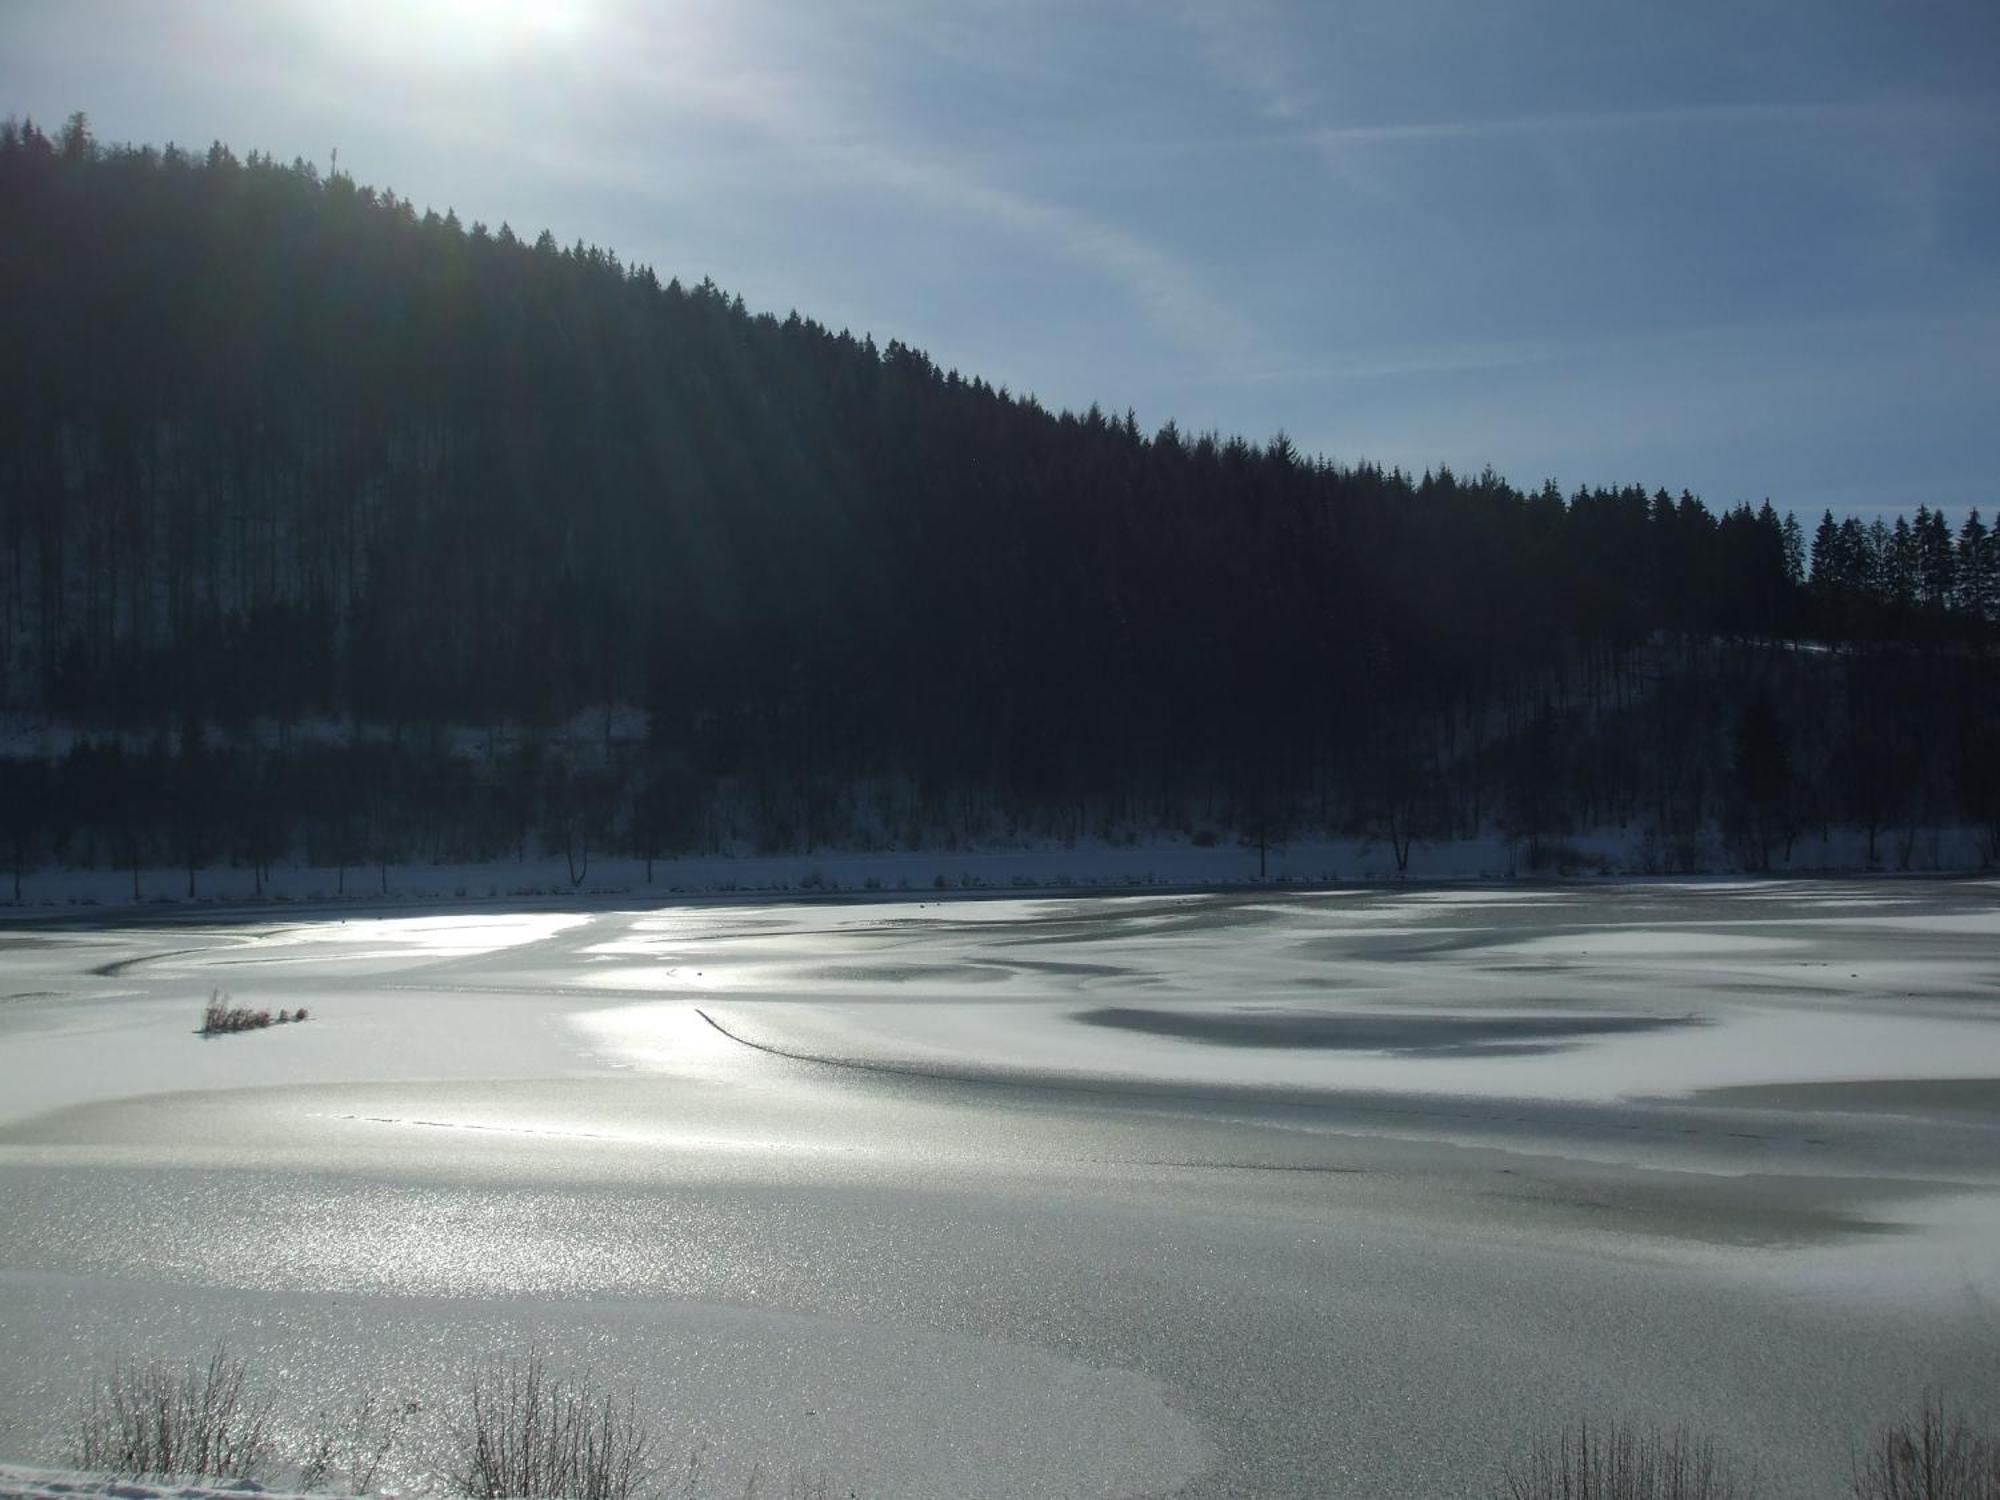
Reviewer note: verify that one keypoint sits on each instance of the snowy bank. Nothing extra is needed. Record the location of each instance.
(64, 1484)
(1167, 862)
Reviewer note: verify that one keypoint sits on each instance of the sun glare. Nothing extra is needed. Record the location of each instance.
(459, 33)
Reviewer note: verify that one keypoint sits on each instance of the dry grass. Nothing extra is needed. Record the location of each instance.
(1623, 1463)
(201, 1420)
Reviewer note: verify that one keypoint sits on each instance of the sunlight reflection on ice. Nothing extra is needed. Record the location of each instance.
(482, 932)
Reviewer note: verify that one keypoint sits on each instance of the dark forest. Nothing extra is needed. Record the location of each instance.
(340, 531)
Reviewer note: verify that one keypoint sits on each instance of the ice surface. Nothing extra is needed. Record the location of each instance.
(1355, 1192)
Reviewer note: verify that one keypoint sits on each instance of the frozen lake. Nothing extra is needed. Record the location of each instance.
(1347, 1193)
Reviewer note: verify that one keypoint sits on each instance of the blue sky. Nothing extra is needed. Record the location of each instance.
(1752, 249)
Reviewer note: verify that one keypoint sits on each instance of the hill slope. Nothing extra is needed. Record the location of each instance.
(279, 450)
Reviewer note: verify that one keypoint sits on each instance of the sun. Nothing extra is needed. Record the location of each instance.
(459, 33)
(505, 21)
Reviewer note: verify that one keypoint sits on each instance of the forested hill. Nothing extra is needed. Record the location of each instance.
(281, 450)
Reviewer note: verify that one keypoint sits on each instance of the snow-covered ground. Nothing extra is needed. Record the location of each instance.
(1266, 1191)
(19, 1483)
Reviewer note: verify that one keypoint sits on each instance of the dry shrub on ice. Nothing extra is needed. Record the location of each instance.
(220, 1017)
(533, 1433)
(1622, 1463)
(200, 1420)
(1930, 1456)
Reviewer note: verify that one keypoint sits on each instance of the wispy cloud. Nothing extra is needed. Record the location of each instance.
(1809, 341)
(1407, 362)
(1582, 123)
(1246, 46)
(709, 77)
(1167, 290)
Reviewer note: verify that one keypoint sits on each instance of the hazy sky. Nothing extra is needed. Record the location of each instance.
(1751, 248)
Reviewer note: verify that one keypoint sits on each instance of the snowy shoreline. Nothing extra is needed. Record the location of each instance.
(1168, 865)
(21, 1483)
